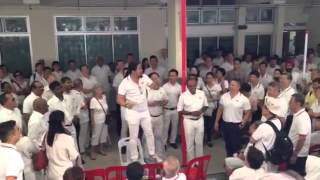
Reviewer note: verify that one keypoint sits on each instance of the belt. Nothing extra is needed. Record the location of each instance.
(171, 109)
(68, 125)
(155, 115)
(194, 119)
(231, 122)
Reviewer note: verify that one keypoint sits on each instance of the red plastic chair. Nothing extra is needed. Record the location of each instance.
(94, 174)
(153, 170)
(116, 173)
(315, 149)
(197, 168)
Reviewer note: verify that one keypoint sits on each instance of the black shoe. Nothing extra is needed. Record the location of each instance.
(174, 145)
(209, 144)
(123, 150)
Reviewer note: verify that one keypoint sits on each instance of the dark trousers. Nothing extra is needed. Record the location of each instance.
(299, 166)
(288, 124)
(232, 137)
(118, 119)
(208, 126)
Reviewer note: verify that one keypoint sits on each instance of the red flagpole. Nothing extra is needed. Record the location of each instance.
(183, 13)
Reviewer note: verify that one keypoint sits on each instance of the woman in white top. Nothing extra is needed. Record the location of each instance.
(61, 149)
(195, 71)
(98, 112)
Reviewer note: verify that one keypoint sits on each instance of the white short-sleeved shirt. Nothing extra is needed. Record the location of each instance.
(102, 74)
(227, 66)
(28, 103)
(270, 69)
(265, 135)
(11, 162)
(160, 70)
(65, 106)
(80, 109)
(200, 84)
(301, 125)
(73, 74)
(265, 80)
(117, 80)
(37, 77)
(7, 115)
(47, 93)
(58, 75)
(211, 92)
(89, 83)
(62, 155)
(258, 91)
(100, 108)
(180, 176)
(192, 102)
(246, 67)
(233, 108)
(135, 93)
(173, 92)
(37, 127)
(156, 95)
(246, 173)
(217, 61)
(287, 93)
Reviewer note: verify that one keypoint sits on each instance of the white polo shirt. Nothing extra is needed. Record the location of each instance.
(28, 103)
(37, 77)
(265, 135)
(80, 108)
(179, 176)
(117, 79)
(47, 93)
(301, 125)
(102, 74)
(99, 106)
(258, 91)
(192, 102)
(156, 95)
(65, 106)
(11, 163)
(58, 75)
(287, 93)
(227, 66)
(89, 83)
(173, 92)
(212, 92)
(246, 173)
(136, 93)
(73, 74)
(37, 127)
(233, 108)
(160, 70)
(7, 115)
(265, 80)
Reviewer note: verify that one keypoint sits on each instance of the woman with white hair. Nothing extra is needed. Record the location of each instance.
(98, 112)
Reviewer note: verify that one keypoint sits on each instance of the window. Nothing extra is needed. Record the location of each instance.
(227, 2)
(259, 15)
(226, 15)
(209, 16)
(15, 50)
(209, 2)
(209, 44)
(109, 37)
(226, 44)
(193, 50)
(193, 17)
(258, 45)
(193, 2)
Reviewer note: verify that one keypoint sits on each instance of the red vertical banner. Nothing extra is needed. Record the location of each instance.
(183, 14)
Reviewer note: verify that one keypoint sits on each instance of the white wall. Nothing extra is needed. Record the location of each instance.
(152, 26)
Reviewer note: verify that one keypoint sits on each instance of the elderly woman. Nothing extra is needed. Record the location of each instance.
(98, 112)
(61, 149)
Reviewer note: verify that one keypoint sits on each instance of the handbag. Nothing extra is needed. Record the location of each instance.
(106, 121)
(40, 159)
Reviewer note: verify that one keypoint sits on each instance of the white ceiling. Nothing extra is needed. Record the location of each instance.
(90, 3)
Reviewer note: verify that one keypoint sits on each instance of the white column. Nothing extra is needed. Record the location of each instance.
(279, 18)
(174, 35)
(239, 35)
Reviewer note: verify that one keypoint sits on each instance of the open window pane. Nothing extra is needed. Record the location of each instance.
(227, 15)
(16, 24)
(71, 47)
(193, 51)
(226, 44)
(15, 54)
(125, 24)
(210, 16)
(193, 17)
(209, 44)
(266, 14)
(124, 44)
(251, 44)
(69, 24)
(99, 45)
(252, 14)
(98, 24)
(264, 45)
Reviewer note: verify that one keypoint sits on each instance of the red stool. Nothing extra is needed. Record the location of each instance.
(197, 168)
(92, 174)
(116, 173)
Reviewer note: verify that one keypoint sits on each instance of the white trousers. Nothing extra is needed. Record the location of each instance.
(83, 136)
(157, 128)
(99, 134)
(170, 116)
(124, 124)
(135, 119)
(73, 132)
(194, 137)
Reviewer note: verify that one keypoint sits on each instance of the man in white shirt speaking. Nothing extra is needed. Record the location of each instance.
(192, 104)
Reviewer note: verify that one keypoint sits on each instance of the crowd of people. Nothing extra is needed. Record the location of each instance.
(253, 103)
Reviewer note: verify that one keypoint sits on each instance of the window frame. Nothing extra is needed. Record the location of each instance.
(199, 16)
(260, 12)
(211, 9)
(258, 41)
(84, 32)
(20, 34)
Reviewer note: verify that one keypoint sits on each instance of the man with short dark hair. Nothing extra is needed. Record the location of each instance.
(11, 166)
(103, 74)
(300, 134)
(135, 171)
(236, 72)
(73, 72)
(265, 77)
(9, 110)
(74, 173)
(154, 67)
